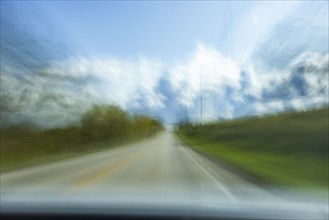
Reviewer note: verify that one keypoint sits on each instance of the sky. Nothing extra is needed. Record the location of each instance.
(240, 58)
(128, 29)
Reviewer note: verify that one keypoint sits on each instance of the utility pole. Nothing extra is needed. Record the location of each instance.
(201, 97)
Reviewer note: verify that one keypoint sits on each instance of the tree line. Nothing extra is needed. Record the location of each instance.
(107, 123)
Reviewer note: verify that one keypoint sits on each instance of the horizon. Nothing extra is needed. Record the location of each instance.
(234, 59)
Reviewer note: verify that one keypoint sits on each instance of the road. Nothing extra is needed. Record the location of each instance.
(158, 175)
(157, 167)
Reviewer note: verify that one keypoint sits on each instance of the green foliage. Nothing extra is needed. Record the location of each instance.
(100, 127)
(297, 132)
(105, 122)
(111, 122)
(145, 125)
(272, 147)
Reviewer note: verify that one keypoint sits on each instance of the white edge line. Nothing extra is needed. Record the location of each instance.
(218, 184)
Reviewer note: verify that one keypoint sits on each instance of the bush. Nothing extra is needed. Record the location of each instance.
(144, 125)
(105, 122)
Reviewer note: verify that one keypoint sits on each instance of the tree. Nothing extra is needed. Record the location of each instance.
(105, 122)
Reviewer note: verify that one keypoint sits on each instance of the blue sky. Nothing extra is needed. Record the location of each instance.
(165, 30)
(243, 57)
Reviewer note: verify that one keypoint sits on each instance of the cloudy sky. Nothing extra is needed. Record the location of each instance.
(236, 58)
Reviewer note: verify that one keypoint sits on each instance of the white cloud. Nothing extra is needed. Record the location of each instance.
(255, 19)
(303, 85)
(62, 92)
(269, 107)
(124, 83)
(207, 71)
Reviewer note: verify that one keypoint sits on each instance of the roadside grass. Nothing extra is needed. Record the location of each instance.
(103, 127)
(32, 148)
(288, 149)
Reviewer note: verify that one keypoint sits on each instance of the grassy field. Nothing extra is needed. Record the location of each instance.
(289, 149)
(102, 127)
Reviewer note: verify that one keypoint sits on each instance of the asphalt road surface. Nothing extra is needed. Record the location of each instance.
(157, 175)
(159, 167)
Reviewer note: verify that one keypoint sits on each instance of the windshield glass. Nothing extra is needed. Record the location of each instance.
(163, 105)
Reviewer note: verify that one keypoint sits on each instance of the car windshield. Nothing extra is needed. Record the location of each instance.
(153, 106)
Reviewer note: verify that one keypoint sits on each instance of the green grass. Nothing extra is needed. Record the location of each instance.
(289, 149)
(21, 150)
(102, 127)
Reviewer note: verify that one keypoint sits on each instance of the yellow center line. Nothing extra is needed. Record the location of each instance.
(102, 173)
